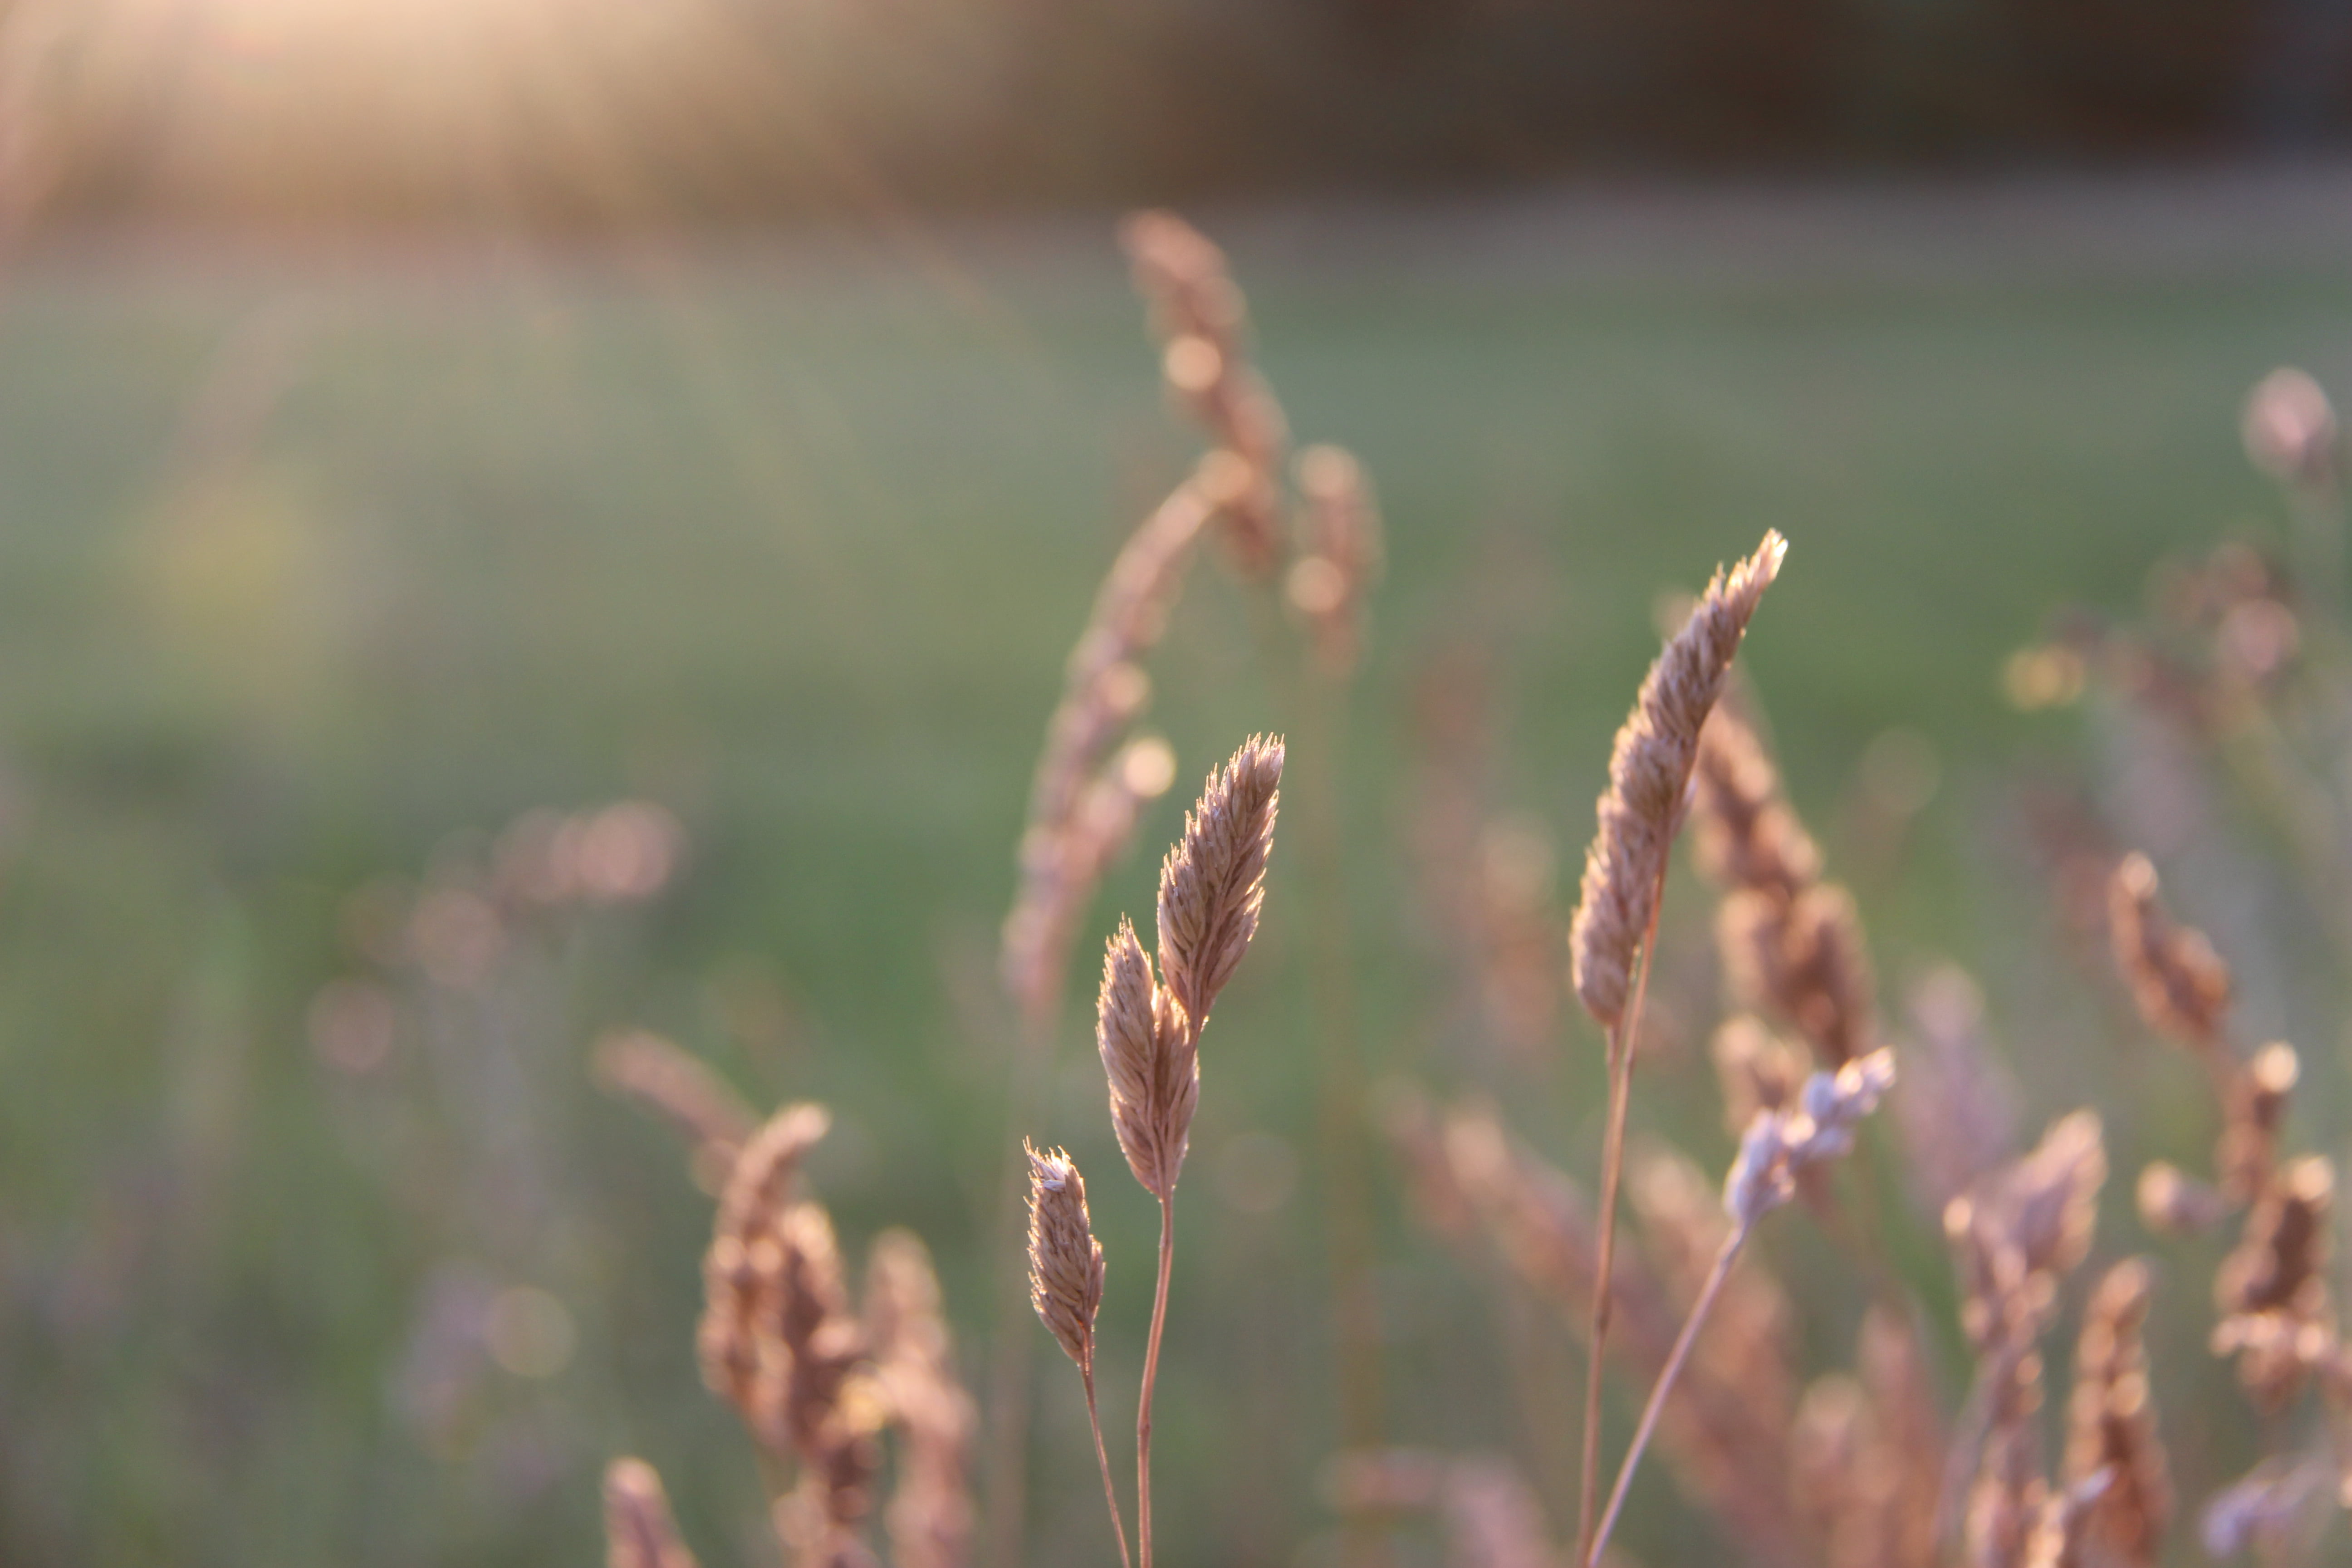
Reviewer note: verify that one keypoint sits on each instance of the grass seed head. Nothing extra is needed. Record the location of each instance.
(1065, 1262)
(1649, 773)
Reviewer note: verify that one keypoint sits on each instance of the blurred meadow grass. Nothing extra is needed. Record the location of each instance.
(316, 567)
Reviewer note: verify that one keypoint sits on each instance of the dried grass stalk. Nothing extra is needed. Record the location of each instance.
(1779, 1148)
(2111, 1423)
(1201, 323)
(638, 1529)
(1075, 798)
(739, 1273)
(1791, 945)
(2178, 982)
(929, 1515)
(1649, 771)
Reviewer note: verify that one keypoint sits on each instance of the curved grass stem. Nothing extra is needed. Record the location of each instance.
(1151, 1376)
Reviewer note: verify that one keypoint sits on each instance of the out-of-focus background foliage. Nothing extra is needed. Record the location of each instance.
(689, 435)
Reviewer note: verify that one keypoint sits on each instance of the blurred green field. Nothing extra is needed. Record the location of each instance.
(315, 565)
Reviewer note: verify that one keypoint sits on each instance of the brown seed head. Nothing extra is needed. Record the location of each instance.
(1065, 1262)
(2180, 982)
(2018, 1232)
(1803, 960)
(638, 1529)
(1756, 1069)
(1214, 882)
(2111, 1421)
(2256, 1109)
(1152, 1060)
(1742, 830)
(1649, 771)
(2279, 1266)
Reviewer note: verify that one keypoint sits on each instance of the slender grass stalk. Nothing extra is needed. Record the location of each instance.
(1151, 1376)
(1102, 1458)
(1727, 1255)
(1612, 1168)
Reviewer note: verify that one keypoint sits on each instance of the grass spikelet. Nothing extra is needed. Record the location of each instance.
(1649, 770)
(1214, 882)
(2253, 1113)
(817, 1391)
(1201, 323)
(1742, 830)
(2179, 983)
(638, 1529)
(1065, 1262)
(1152, 1059)
(2018, 1232)
(2277, 1314)
(2111, 1423)
(1065, 1286)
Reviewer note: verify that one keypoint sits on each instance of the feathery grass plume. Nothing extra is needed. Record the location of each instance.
(2173, 1203)
(1806, 961)
(1958, 1104)
(2253, 1112)
(2007, 1497)
(2179, 983)
(2015, 1234)
(1780, 1148)
(2111, 1421)
(1066, 1285)
(2277, 1315)
(1743, 832)
(739, 1273)
(817, 1393)
(1625, 878)
(1338, 557)
(1065, 1262)
(1201, 323)
(1213, 883)
(682, 1089)
(1791, 944)
(929, 1515)
(2018, 1232)
(1649, 770)
(1152, 1060)
(1062, 851)
(638, 1529)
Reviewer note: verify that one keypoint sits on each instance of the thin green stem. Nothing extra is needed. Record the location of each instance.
(1673, 1370)
(1151, 1376)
